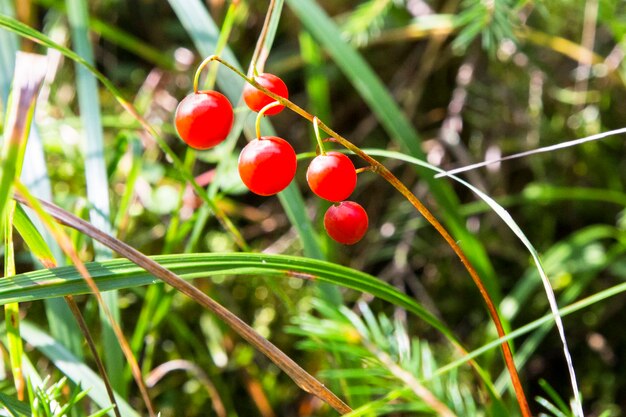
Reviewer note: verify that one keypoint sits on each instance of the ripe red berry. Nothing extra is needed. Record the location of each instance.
(332, 176)
(204, 119)
(256, 99)
(267, 165)
(346, 222)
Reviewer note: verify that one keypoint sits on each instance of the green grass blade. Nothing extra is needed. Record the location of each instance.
(121, 273)
(12, 310)
(73, 368)
(15, 407)
(96, 176)
(316, 82)
(132, 44)
(33, 239)
(374, 93)
(547, 319)
(506, 217)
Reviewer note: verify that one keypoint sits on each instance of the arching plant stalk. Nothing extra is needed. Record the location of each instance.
(302, 378)
(381, 170)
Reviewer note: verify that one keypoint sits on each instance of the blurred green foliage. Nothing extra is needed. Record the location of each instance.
(476, 80)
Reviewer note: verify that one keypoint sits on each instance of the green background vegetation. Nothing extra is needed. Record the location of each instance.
(450, 83)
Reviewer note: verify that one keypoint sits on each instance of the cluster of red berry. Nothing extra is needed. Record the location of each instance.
(267, 164)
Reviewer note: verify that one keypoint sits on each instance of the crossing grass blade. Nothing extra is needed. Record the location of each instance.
(13, 406)
(122, 273)
(95, 175)
(580, 255)
(374, 93)
(546, 320)
(36, 243)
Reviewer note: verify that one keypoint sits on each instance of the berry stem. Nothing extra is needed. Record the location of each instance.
(367, 168)
(320, 142)
(228, 65)
(419, 206)
(259, 117)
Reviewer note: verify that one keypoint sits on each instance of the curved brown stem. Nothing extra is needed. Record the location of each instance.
(302, 378)
(381, 170)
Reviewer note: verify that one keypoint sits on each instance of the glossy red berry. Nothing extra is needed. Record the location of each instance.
(267, 165)
(346, 222)
(332, 176)
(256, 99)
(204, 119)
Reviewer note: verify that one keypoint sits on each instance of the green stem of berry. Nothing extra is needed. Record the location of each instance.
(217, 58)
(320, 142)
(364, 169)
(259, 117)
(419, 206)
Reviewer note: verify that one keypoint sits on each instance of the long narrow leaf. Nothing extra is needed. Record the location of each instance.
(121, 273)
(14, 406)
(96, 176)
(29, 74)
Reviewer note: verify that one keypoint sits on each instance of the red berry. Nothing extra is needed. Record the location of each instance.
(346, 222)
(204, 119)
(332, 176)
(267, 165)
(256, 99)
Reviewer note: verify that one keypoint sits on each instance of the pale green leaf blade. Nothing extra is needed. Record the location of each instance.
(121, 273)
(95, 175)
